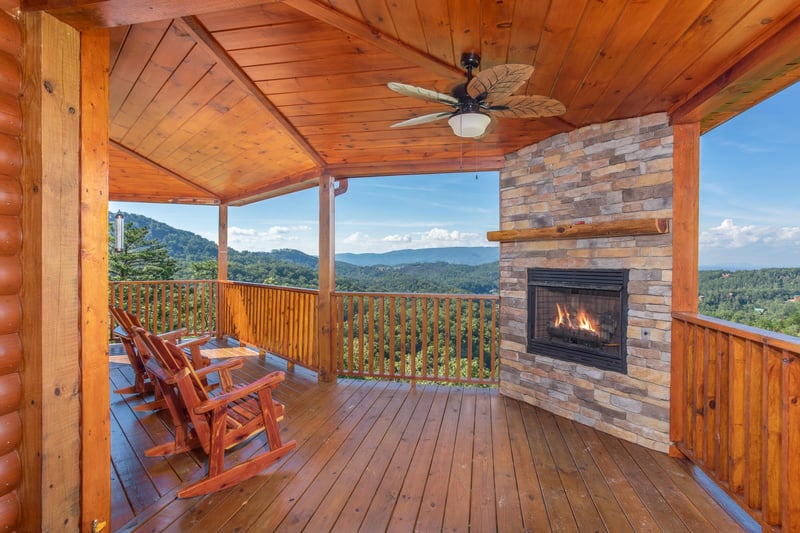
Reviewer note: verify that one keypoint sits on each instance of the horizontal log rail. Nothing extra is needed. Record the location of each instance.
(738, 416)
(280, 320)
(168, 305)
(429, 337)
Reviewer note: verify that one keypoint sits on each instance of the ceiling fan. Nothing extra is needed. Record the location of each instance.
(483, 97)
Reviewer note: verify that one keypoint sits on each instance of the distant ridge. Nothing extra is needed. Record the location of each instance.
(456, 255)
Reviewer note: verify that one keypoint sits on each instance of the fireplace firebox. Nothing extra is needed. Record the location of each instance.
(579, 315)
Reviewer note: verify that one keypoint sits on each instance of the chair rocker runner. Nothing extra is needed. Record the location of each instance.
(215, 423)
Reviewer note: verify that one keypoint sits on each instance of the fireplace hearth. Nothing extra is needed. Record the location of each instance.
(579, 315)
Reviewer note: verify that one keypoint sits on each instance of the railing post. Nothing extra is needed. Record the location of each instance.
(327, 279)
(685, 236)
(222, 265)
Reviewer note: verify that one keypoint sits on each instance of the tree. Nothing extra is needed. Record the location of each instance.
(141, 259)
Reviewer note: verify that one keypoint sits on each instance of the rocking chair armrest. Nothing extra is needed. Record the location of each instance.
(191, 343)
(221, 366)
(270, 380)
(174, 335)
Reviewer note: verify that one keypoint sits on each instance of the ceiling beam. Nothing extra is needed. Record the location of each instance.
(88, 14)
(152, 199)
(288, 184)
(203, 37)
(773, 58)
(372, 35)
(165, 170)
(425, 166)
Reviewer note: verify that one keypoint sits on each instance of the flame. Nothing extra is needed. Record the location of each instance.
(582, 320)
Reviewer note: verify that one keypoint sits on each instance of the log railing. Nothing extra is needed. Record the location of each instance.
(737, 414)
(440, 338)
(280, 320)
(168, 305)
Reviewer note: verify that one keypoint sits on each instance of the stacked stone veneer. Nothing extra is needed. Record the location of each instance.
(612, 171)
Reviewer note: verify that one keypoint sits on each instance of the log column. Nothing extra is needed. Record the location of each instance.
(222, 264)
(52, 314)
(327, 278)
(685, 246)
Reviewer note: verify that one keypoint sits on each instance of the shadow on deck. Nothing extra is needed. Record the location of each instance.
(378, 455)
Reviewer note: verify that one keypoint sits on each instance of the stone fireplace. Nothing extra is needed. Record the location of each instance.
(616, 380)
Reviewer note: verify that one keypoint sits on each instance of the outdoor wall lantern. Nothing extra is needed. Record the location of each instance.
(469, 124)
(119, 232)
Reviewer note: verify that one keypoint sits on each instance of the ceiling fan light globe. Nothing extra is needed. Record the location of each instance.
(469, 124)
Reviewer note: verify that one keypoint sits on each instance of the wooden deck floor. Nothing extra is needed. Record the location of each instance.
(381, 456)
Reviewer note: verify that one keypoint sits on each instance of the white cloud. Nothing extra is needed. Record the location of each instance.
(753, 245)
(729, 235)
(397, 238)
(270, 238)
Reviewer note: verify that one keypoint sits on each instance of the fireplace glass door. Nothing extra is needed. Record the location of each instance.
(578, 315)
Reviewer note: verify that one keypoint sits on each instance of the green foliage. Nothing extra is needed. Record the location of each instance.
(141, 259)
(768, 298)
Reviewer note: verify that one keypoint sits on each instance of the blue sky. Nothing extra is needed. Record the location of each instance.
(749, 212)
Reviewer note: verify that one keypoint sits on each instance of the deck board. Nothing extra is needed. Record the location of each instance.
(385, 456)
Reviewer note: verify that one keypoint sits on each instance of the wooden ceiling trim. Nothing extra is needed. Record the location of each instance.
(662, 34)
(296, 182)
(88, 14)
(195, 28)
(157, 199)
(163, 169)
(396, 168)
(779, 53)
(186, 77)
(379, 39)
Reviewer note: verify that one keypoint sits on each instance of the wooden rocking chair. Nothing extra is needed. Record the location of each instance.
(215, 423)
(143, 384)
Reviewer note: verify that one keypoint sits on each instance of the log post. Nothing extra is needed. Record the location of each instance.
(685, 245)
(52, 321)
(95, 423)
(222, 264)
(327, 278)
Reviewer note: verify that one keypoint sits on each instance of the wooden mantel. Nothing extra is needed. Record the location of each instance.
(616, 228)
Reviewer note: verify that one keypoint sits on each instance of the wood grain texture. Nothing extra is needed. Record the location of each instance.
(592, 230)
(51, 225)
(187, 95)
(95, 433)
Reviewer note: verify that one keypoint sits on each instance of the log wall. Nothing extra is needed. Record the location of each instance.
(10, 270)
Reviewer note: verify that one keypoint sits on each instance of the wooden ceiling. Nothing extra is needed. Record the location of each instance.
(231, 101)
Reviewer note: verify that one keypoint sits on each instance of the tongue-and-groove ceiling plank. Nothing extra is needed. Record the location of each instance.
(260, 96)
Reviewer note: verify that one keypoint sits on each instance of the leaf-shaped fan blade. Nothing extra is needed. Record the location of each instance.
(422, 94)
(422, 120)
(498, 82)
(523, 106)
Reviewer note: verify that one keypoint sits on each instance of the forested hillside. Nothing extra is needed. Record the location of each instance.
(768, 298)
(196, 258)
